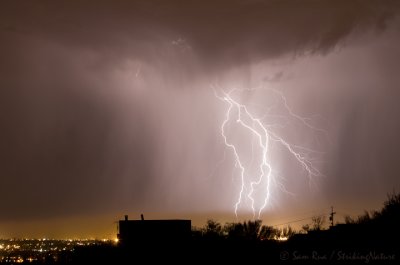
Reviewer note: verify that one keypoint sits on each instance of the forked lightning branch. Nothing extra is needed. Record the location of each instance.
(257, 175)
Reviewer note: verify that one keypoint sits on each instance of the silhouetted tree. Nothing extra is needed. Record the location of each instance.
(388, 218)
(317, 222)
(212, 229)
(252, 229)
(391, 207)
(287, 232)
(306, 228)
(244, 231)
(349, 220)
(363, 219)
(389, 213)
(234, 230)
(268, 233)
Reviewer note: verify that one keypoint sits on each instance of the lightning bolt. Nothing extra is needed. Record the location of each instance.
(239, 115)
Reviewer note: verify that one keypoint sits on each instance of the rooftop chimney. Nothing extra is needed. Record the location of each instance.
(126, 217)
(142, 217)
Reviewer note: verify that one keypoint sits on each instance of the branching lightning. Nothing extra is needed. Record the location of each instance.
(239, 115)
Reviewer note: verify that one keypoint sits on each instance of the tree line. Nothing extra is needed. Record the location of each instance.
(254, 230)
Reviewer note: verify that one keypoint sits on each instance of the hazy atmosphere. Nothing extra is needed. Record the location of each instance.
(117, 107)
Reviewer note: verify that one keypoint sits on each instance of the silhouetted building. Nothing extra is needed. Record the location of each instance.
(137, 232)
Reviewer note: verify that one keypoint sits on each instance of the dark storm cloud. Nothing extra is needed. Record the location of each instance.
(218, 31)
(64, 147)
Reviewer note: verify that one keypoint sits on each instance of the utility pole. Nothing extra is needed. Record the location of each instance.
(331, 216)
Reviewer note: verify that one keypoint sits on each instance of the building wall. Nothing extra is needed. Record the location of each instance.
(141, 231)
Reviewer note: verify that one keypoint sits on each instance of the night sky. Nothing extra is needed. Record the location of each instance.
(110, 108)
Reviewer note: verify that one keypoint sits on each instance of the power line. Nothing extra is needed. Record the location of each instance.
(299, 220)
(300, 215)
